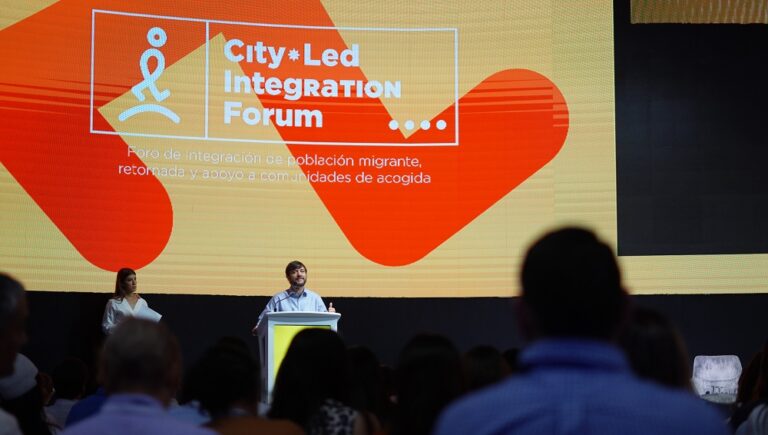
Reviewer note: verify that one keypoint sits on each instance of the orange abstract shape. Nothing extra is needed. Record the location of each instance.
(393, 224)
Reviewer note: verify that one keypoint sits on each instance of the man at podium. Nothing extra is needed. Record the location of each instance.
(297, 297)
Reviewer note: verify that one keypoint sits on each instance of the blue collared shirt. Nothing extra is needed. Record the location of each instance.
(287, 300)
(86, 407)
(578, 387)
(124, 414)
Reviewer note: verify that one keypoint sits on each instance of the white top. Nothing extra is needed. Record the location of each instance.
(60, 410)
(8, 425)
(118, 309)
(756, 424)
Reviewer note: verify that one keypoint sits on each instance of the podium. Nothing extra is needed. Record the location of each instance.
(275, 332)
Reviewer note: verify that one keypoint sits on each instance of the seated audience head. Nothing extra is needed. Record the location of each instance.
(366, 384)
(70, 378)
(22, 396)
(125, 283)
(388, 383)
(511, 356)
(45, 385)
(575, 379)
(748, 380)
(571, 287)
(760, 391)
(314, 369)
(141, 357)
(225, 379)
(429, 376)
(655, 349)
(13, 317)
(483, 366)
(752, 395)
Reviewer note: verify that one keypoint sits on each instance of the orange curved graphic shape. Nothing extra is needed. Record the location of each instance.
(395, 225)
(113, 221)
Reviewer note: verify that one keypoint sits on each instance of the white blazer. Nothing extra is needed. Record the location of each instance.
(118, 309)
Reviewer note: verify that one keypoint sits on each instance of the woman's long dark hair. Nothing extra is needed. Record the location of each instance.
(314, 369)
(753, 388)
(429, 377)
(225, 375)
(761, 389)
(655, 349)
(121, 275)
(366, 385)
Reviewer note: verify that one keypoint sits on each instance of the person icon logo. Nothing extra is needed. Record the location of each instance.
(157, 38)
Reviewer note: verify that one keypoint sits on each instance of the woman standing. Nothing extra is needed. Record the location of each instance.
(126, 302)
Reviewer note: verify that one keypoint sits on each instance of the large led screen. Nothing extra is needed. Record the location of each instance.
(398, 148)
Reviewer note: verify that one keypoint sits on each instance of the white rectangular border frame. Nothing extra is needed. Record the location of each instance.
(205, 137)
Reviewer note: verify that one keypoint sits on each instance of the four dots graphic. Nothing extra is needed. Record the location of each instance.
(424, 125)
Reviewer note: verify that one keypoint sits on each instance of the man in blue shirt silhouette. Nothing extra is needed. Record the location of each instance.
(574, 379)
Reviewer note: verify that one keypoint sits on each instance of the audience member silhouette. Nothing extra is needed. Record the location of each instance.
(389, 387)
(22, 396)
(13, 317)
(483, 366)
(752, 417)
(745, 394)
(226, 381)
(429, 376)
(511, 356)
(69, 380)
(140, 367)
(575, 380)
(367, 393)
(312, 386)
(748, 380)
(86, 407)
(45, 385)
(187, 407)
(655, 349)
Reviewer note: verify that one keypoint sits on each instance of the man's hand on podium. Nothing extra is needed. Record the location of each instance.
(330, 308)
